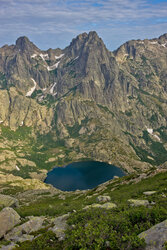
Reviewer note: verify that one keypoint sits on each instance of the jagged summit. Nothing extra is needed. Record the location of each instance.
(92, 36)
(85, 44)
(163, 37)
(83, 36)
(24, 44)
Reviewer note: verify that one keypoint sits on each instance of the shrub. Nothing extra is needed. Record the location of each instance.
(101, 229)
(47, 241)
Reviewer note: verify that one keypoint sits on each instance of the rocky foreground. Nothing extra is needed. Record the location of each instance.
(27, 217)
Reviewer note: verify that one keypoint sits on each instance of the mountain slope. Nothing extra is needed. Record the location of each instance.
(85, 102)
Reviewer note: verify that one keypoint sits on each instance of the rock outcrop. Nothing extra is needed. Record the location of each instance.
(136, 203)
(21, 233)
(156, 236)
(8, 201)
(103, 198)
(107, 205)
(8, 219)
(60, 225)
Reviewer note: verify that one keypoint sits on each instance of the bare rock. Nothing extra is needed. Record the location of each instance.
(27, 184)
(8, 201)
(21, 232)
(60, 226)
(137, 203)
(155, 237)
(149, 192)
(8, 219)
(102, 198)
(9, 247)
(108, 205)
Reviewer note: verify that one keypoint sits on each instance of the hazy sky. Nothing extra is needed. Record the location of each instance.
(53, 23)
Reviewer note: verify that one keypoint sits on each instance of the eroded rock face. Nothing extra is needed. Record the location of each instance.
(19, 110)
(8, 219)
(155, 237)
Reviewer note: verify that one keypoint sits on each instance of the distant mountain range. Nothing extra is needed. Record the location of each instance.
(83, 102)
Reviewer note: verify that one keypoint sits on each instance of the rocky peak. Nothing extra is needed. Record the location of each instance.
(24, 44)
(163, 38)
(84, 40)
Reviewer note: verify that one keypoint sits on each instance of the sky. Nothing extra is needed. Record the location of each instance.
(54, 23)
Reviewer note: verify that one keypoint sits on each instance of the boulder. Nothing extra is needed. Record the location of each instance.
(155, 237)
(60, 226)
(9, 247)
(21, 232)
(92, 206)
(108, 205)
(102, 198)
(8, 219)
(137, 203)
(8, 201)
(149, 192)
(116, 177)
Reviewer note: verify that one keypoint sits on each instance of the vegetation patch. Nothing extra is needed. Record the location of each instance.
(96, 228)
(3, 81)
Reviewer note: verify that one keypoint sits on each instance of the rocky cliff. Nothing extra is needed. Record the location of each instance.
(84, 102)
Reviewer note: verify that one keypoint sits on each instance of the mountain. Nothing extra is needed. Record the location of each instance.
(83, 102)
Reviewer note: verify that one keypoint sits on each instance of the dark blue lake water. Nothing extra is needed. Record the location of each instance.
(82, 175)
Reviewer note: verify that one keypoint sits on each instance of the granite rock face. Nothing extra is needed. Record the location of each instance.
(88, 97)
(8, 218)
(60, 225)
(22, 232)
(155, 237)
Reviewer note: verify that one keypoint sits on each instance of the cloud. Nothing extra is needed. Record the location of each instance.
(47, 17)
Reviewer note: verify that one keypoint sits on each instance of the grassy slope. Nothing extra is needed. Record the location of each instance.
(99, 228)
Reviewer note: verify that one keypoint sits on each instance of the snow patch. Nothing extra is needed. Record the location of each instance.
(17, 168)
(76, 58)
(164, 45)
(21, 124)
(157, 137)
(41, 98)
(153, 42)
(34, 55)
(58, 57)
(44, 57)
(29, 93)
(52, 88)
(150, 130)
(50, 68)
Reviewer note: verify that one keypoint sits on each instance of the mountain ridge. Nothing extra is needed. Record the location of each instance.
(86, 102)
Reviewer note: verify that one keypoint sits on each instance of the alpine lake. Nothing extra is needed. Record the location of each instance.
(82, 175)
